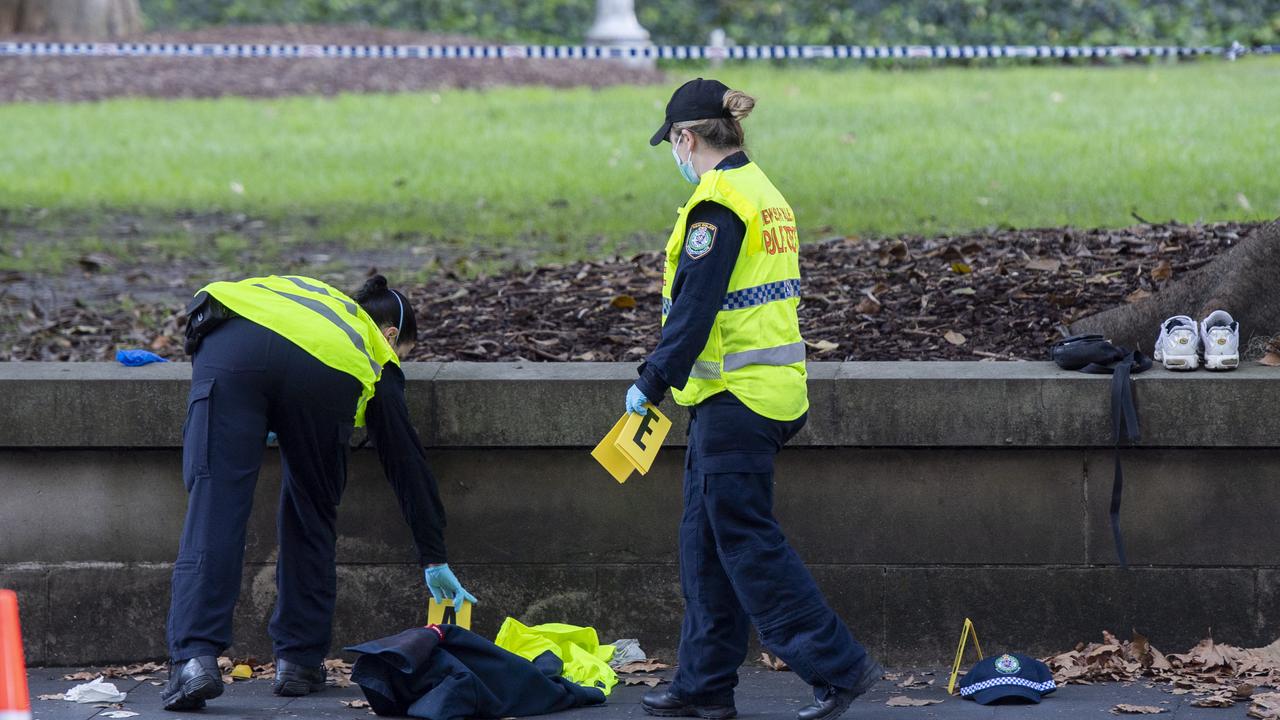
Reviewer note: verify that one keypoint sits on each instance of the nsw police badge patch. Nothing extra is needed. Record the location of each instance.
(1008, 664)
(700, 239)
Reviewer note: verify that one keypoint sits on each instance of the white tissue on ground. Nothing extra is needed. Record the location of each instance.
(626, 651)
(95, 691)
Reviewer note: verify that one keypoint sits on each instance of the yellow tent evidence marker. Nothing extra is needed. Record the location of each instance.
(443, 613)
(642, 437)
(610, 457)
(968, 630)
(632, 443)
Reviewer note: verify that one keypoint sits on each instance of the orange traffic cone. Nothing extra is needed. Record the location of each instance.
(15, 704)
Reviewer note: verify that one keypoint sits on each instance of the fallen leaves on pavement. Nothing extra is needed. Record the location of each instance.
(1127, 709)
(1265, 706)
(1219, 675)
(356, 704)
(904, 701)
(650, 680)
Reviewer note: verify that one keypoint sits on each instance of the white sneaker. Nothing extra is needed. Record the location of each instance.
(1178, 346)
(1220, 335)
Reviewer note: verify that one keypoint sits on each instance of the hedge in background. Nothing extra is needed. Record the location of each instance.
(1183, 22)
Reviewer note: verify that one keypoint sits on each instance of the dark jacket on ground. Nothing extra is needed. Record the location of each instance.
(444, 672)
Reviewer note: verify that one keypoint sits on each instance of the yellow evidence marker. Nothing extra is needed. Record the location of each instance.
(965, 632)
(443, 613)
(632, 443)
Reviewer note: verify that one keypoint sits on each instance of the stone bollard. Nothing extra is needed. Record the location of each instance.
(616, 25)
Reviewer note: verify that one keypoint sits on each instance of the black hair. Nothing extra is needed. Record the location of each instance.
(388, 307)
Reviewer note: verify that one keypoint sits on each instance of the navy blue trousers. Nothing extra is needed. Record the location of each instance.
(245, 381)
(738, 569)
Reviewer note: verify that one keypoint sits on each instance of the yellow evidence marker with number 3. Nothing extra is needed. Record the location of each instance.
(633, 443)
(443, 613)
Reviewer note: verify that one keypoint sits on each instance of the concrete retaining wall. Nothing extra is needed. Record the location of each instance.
(919, 493)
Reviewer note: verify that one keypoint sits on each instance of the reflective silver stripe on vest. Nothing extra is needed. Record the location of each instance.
(351, 307)
(761, 294)
(666, 307)
(705, 370)
(780, 355)
(327, 313)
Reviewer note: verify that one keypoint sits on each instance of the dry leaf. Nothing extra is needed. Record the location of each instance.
(1137, 296)
(1127, 709)
(867, 306)
(650, 680)
(1265, 706)
(82, 676)
(822, 345)
(954, 337)
(1271, 359)
(1048, 265)
(649, 665)
(55, 696)
(1162, 271)
(1218, 700)
(772, 662)
(623, 302)
(356, 704)
(904, 701)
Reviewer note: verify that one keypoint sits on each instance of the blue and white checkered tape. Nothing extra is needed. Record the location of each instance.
(752, 296)
(761, 294)
(616, 52)
(1043, 687)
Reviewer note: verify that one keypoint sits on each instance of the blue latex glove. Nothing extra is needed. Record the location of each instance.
(136, 358)
(444, 584)
(636, 401)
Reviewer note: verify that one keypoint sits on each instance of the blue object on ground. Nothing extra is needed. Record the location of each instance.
(136, 358)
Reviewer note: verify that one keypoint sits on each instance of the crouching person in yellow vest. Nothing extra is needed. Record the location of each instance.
(293, 356)
(731, 352)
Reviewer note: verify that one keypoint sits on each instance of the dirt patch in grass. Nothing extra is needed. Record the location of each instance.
(991, 295)
(80, 79)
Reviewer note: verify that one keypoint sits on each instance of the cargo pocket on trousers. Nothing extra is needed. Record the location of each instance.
(195, 433)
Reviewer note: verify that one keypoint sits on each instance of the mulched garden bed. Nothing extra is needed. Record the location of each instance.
(1003, 294)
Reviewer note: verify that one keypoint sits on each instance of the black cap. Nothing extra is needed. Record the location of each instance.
(695, 100)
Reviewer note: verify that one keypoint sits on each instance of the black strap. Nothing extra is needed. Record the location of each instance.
(1124, 428)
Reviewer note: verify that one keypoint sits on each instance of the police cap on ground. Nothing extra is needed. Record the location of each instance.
(695, 100)
(1008, 677)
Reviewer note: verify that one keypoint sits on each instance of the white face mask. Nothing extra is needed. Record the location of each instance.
(685, 166)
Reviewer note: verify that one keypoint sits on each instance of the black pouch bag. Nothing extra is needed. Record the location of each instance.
(204, 313)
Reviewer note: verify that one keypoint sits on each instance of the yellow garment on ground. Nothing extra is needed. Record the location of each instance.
(586, 661)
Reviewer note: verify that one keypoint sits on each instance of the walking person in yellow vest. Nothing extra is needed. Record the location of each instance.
(731, 352)
(294, 356)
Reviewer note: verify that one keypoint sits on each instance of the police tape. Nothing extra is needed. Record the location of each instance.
(618, 52)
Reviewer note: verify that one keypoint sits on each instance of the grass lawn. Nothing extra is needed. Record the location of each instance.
(570, 173)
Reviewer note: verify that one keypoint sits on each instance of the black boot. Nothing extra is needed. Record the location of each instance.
(294, 680)
(663, 704)
(191, 683)
(836, 700)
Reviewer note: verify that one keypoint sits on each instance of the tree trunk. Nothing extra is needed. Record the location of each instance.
(1244, 281)
(71, 19)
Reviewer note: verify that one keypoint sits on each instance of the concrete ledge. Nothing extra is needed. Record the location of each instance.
(921, 493)
(873, 404)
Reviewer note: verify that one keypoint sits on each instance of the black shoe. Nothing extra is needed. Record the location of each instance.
(663, 704)
(191, 683)
(294, 680)
(837, 700)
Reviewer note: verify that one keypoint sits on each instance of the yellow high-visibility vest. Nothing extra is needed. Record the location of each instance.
(318, 318)
(755, 350)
